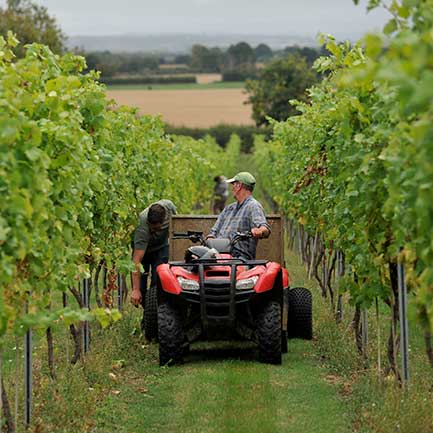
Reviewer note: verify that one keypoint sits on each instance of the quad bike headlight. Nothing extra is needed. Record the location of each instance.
(188, 284)
(247, 284)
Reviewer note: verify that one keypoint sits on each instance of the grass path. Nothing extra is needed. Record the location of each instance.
(231, 396)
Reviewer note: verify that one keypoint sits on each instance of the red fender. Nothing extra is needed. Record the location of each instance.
(243, 274)
(169, 282)
(267, 279)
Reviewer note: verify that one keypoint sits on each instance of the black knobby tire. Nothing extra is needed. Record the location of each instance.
(269, 333)
(150, 317)
(300, 318)
(170, 334)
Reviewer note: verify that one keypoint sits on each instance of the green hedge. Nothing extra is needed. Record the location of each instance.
(234, 75)
(222, 133)
(186, 79)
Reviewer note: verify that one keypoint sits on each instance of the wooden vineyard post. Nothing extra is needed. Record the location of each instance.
(379, 359)
(313, 254)
(65, 303)
(119, 292)
(86, 326)
(28, 382)
(404, 327)
(299, 243)
(339, 274)
(1, 386)
(324, 275)
(364, 330)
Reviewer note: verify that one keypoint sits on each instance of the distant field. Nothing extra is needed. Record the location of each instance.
(201, 78)
(194, 108)
(208, 78)
(199, 86)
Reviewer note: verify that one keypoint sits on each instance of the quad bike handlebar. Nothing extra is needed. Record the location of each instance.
(193, 236)
(197, 237)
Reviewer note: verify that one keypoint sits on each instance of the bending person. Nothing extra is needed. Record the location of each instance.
(150, 246)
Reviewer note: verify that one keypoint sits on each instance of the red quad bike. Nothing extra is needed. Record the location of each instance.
(215, 296)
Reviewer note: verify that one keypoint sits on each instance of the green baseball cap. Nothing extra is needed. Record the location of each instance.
(243, 177)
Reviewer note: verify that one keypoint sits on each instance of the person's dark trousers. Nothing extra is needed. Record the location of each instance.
(150, 262)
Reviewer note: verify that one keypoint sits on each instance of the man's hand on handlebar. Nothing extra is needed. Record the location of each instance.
(260, 232)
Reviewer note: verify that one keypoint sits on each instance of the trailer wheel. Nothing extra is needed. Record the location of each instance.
(170, 334)
(300, 318)
(269, 333)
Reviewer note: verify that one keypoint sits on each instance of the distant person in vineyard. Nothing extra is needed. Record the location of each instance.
(221, 194)
(246, 214)
(150, 246)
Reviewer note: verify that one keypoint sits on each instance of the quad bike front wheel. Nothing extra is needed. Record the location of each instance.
(300, 317)
(170, 334)
(150, 318)
(269, 333)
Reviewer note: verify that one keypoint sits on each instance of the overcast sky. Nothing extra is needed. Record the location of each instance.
(301, 17)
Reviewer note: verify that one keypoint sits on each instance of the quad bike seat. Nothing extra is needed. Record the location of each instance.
(221, 245)
(199, 252)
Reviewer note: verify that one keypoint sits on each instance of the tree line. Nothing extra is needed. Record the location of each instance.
(237, 62)
(33, 23)
(284, 76)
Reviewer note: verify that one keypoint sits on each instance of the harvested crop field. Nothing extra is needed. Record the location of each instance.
(195, 108)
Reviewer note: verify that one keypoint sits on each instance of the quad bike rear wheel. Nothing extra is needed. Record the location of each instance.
(150, 318)
(269, 333)
(170, 334)
(284, 346)
(300, 318)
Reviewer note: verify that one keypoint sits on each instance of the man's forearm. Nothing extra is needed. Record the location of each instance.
(137, 258)
(260, 232)
(136, 280)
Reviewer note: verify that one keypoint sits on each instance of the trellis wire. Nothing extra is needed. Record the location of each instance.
(28, 353)
(402, 296)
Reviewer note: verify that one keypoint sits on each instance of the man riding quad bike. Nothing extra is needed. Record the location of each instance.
(212, 295)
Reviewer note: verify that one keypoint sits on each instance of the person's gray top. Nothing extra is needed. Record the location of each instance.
(147, 241)
(221, 190)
